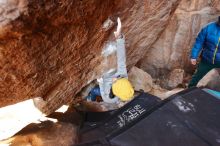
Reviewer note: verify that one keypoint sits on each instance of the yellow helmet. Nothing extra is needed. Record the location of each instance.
(123, 89)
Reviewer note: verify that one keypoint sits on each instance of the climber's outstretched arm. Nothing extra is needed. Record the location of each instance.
(121, 53)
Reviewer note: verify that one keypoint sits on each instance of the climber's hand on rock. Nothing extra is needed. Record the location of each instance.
(118, 31)
(193, 61)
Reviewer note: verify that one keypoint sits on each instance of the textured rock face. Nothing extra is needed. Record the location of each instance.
(9, 11)
(174, 79)
(172, 49)
(52, 49)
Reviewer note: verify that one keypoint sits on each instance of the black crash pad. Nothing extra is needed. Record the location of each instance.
(190, 118)
(118, 120)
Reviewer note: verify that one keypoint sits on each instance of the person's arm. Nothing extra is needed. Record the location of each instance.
(121, 57)
(121, 54)
(198, 45)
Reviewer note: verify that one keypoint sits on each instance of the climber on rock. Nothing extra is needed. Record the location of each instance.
(208, 44)
(114, 87)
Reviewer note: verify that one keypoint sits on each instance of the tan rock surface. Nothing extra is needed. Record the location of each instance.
(211, 80)
(163, 93)
(31, 126)
(45, 134)
(172, 49)
(140, 80)
(174, 78)
(15, 117)
(52, 49)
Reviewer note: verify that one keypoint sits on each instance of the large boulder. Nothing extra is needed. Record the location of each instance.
(140, 80)
(52, 49)
(172, 49)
